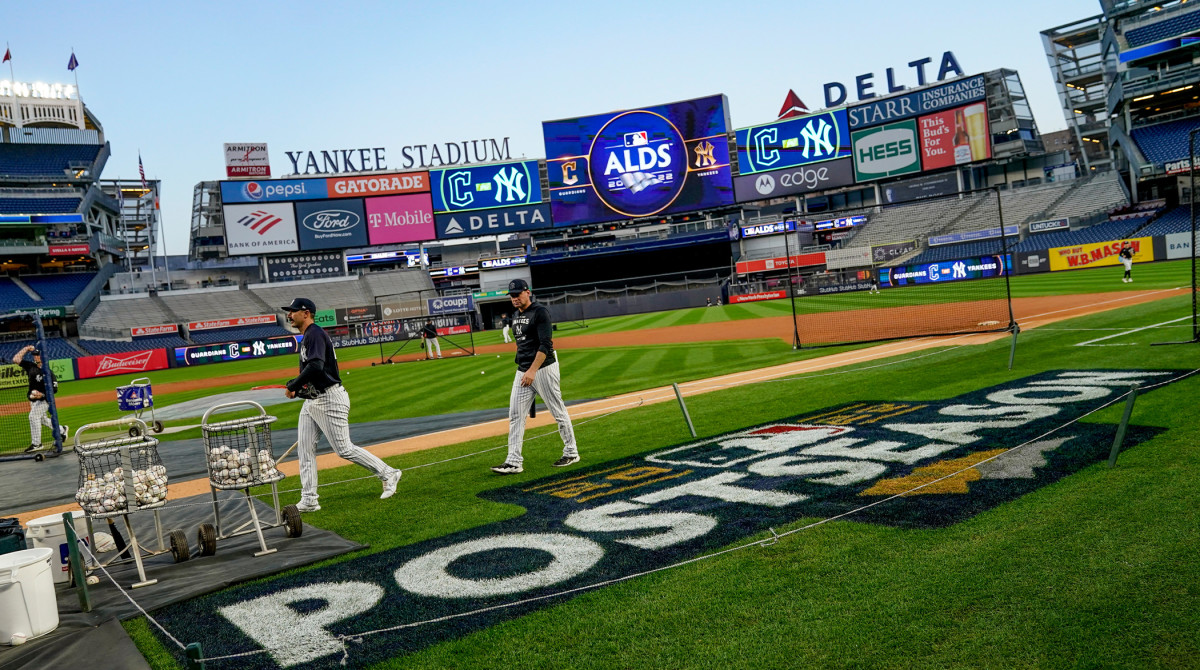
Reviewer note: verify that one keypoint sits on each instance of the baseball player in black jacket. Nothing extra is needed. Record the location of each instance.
(537, 371)
(326, 408)
(39, 408)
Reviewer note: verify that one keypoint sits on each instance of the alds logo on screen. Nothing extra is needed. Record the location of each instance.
(638, 163)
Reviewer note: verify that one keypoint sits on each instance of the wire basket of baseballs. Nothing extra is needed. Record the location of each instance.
(239, 453)
(120, 475)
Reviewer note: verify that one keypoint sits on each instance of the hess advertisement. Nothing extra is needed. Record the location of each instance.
(886, 151)
(945, 271)
(784, 144)
(658, 160)
(955, 137)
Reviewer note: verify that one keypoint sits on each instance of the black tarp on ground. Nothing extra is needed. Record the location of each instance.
(96, 639)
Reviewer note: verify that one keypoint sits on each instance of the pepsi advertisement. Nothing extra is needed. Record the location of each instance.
(982, 267)
(274, 190)
(468, 188)
(641, 162)
(784, 144)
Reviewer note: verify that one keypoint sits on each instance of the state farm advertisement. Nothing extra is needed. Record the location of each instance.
(1100, 254)
(385, 184)
(400, 218)
(262, 319)
(121, 364)
(954, 137)
(755, 297)
(164, 329)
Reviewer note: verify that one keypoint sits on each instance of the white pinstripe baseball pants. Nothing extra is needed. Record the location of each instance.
(329, 413)
(547, 384)
(39, 415)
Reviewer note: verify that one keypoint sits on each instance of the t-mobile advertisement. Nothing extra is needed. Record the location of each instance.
(400, 218)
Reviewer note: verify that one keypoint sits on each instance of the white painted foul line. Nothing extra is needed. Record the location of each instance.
(1091, 343)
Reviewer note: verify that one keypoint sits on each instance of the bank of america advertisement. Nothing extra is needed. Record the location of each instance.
(783, 144)
(470, 188)
(263, 228)
(641, 162)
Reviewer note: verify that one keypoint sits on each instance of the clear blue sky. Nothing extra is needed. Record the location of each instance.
(177, 80)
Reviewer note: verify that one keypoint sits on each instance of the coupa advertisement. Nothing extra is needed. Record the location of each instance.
(945, 271)
(902, 464)
(1100, 254)
(658, 160)
(234, 351)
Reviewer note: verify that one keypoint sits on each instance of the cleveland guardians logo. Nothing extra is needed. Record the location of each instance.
(638, 163)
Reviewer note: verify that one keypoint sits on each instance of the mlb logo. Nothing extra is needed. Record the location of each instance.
(638, 139)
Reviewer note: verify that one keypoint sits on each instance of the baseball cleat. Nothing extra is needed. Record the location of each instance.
(304, 506)
(565, 461)
(389, 484)
(508, 469)
(32, 448)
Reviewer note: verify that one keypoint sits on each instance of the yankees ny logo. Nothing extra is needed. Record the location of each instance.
(704, 154)
(817, 137)
(508, 186)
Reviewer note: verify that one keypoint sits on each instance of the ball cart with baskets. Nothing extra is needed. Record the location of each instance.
(119, 476)
(238, 454)
(137, 397)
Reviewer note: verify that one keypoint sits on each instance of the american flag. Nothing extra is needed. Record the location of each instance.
(141, 170)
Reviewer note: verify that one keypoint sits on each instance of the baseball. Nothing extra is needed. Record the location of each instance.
(481, 372)
(17, 638)
(93, 580)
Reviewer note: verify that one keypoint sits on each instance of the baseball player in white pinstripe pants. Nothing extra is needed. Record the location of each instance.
(537, 371)
(326, 409)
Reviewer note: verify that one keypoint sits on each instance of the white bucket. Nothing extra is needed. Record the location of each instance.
(27, 603)
(49, 532)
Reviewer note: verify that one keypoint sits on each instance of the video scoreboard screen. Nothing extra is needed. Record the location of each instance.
(641, 162)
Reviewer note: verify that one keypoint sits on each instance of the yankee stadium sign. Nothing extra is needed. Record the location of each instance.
(907, 464)
(334, 161)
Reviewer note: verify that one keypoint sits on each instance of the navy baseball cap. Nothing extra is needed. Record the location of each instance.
(36, 352)
(516, 286)
(299, 304)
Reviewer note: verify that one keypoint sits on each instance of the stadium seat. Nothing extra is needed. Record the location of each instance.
(1156, 32)
(44, 160)
(238, 334)
(1166, 141)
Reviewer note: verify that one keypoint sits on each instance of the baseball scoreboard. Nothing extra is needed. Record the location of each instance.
(639, 162)
(658, 160)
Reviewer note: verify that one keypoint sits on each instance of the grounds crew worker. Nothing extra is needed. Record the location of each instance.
(39, 407)
(537, 371)
(326, 408)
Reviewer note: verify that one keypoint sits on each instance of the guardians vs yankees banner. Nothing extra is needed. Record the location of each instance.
(935, 463)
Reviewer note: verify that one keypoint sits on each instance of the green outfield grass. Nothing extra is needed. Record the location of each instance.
(454, 385)
(1097, 570)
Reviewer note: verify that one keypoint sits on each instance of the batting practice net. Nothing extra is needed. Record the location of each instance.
(934, 266)
(406, 316)
(15, 434)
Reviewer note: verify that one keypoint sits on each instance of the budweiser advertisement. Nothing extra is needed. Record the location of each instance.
(268, 319)
(164, 329)
(121, 364)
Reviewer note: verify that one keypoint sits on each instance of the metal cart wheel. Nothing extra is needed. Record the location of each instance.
(208, 539)
(292, 524)
(38, 458)
(158, 427)
(179, 546)
(135, 430)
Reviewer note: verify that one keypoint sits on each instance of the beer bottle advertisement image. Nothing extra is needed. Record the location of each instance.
(954, 137)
